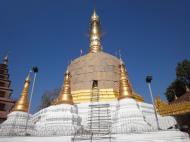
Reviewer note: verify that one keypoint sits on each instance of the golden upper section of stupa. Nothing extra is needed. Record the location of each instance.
(95, 33)
(96, 66)
(22, 104)
(65, 96)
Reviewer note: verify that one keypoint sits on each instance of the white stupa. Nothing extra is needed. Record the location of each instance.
(17, 120)
(134, 116)
(60, 119)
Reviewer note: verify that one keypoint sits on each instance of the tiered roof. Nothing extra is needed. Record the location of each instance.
(6, 103)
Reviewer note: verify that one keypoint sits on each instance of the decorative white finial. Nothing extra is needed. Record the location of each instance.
(187, 89)
(5, 60)
(28, 76)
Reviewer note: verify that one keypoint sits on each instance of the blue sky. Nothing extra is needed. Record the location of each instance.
(153, 35)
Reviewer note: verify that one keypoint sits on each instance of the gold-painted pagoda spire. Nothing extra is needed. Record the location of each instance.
(95, 33)
(125, 88)
(65, 96)
(22, 104)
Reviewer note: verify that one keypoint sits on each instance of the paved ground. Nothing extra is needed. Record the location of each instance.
(161, 136)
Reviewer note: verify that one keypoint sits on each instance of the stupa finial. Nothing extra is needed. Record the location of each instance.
(65, 96)
(125, 88)
(22, 104)
(175, 97)
(187, 89)
(5, 60)
(121, 61)
(94, 16)
(95, 33)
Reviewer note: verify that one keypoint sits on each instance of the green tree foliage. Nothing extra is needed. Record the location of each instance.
(183, 72)
(178, 86)
(48, 97)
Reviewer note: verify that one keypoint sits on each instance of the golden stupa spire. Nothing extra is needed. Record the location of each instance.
(125, 88)
(65, 96)
(95, 33)
(22, 104)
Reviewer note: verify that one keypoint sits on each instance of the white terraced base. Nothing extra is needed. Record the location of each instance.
(148, 114)
(131, 122)
(128, 115)
(16, 124)
(56, 120)
(132, 116)
(129, 118)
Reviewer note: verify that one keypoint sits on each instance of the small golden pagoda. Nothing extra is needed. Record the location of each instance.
(125, 87)
(65, 96)
(22, 104)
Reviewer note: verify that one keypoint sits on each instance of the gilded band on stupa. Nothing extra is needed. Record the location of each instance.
(22, 104)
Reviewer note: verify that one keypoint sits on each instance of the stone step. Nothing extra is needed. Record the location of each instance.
(99, 105)
(104, 138)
